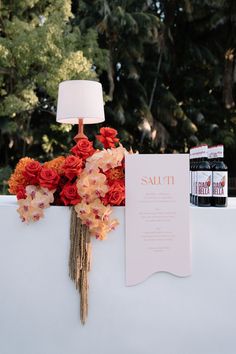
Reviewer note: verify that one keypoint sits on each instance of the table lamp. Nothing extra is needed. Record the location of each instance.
(80, 102)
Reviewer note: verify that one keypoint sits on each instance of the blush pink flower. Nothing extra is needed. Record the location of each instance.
(91, 186)
(95, 216)
(106, 159)
(37, 199)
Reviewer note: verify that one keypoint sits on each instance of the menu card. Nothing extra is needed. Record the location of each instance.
(157, 216)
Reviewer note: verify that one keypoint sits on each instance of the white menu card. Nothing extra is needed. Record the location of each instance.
(157, 216)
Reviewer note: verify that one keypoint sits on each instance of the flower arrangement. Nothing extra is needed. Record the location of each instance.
(91, 181)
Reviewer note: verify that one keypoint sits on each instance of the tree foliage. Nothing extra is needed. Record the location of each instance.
(167, 69)
(39, 48)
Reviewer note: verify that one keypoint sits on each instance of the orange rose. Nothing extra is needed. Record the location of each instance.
(55, 164)
(113, 174)
(31, 172)
(83, 149)
(17, 178)
(108, 137)
(69, 195)
(72, 166)
(48, 178)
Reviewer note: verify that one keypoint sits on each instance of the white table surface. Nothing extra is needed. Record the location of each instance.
(39, 307)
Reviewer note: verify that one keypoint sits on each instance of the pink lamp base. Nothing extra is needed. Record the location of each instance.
(80, 134)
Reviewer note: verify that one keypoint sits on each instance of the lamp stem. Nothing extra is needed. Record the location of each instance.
(80, 126)
(80, 134)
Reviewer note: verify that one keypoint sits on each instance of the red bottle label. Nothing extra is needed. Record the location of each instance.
(220, 184)
(204, 183)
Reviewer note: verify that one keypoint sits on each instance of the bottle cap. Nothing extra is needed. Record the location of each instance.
(197, 152)
(190, 154)
(204, 151)
(194, 152)
(212, 152)
(220, 151)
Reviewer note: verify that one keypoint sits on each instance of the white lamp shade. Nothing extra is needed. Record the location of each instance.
(80, 99)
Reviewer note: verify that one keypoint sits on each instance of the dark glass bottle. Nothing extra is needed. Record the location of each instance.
(220, 179)
(197, 153)
(204, 179)
(190, 174)
(212, 159)
(193, 174)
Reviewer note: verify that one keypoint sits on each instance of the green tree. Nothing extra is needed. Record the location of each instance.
(142, 105)
(171, 71)
(39, 47)
(167, 69)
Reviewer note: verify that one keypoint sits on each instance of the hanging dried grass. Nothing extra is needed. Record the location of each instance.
(80, 260)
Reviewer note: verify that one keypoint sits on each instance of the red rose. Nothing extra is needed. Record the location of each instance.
(108, 137)
(83, 149)
(72, 166)
(69, 194)
(21, 193)
(48, 178)
(116, 194)
(31, 172)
